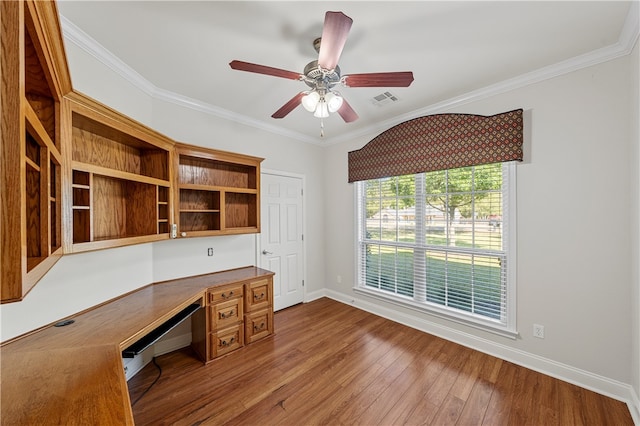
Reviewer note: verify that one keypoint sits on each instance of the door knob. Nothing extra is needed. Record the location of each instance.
(266, 252)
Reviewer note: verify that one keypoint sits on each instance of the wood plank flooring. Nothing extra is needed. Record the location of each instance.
(333, 364)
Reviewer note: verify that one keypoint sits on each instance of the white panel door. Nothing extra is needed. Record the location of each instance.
(281, 244)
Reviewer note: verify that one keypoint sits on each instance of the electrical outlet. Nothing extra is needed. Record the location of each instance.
(538, 331)
(210, 251)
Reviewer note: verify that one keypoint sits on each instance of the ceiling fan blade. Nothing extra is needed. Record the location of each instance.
(334, 36)
(263, 69)
(347, 113)
(289, 106)
(379, 79)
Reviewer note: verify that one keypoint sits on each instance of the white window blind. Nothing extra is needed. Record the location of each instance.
(440, 242)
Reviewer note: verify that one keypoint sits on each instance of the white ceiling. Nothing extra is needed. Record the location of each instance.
(182, 49)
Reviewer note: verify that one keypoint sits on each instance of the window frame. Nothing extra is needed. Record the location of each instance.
(508, 327)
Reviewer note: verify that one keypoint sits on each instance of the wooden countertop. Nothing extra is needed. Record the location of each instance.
(73, 374)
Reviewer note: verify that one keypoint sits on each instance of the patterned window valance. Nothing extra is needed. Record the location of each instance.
(438, 142)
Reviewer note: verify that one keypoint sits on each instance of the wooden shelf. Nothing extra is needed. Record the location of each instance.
(218, 188)
(217, 192)
(33, 83)
(105, 171)
(31, 164)
(121, 172)
(198, 211)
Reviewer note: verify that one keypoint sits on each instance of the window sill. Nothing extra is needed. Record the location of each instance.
(477, 323)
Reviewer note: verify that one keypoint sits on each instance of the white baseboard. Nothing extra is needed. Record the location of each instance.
(310, 297)
(585, 379)
(165, 346)
(133, 365)
(634, 406)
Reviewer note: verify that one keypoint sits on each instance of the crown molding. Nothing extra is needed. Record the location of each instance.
(75, 35)
(625, 44)
(204, 107)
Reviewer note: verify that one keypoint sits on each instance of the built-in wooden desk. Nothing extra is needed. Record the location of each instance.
(73, 374)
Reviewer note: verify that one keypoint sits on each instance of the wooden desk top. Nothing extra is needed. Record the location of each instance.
(73, 374)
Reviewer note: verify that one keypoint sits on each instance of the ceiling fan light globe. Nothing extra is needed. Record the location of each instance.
(310, 101)
(334, 101)
(322, 111)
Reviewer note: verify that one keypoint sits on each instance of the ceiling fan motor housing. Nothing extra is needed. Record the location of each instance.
(318, 78)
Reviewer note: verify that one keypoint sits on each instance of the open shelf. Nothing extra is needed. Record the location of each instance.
(217, 192)
(120, 178)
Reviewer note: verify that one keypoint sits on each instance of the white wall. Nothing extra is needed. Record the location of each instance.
(578, 214)
(574, 264)
(93, 78)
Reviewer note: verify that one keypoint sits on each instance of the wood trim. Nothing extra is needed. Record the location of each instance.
(47, 27)
(106, 171)
(12, 130)
(115, 242)
(98, 111)
(66, 175)
(218, 188)
(218, 155)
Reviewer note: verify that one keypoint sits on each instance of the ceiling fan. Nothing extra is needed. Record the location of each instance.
(324, 74)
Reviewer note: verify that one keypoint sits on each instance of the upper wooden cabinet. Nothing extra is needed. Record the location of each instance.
(118, 175)
(217, 192)
(76, 175)
(34, 79)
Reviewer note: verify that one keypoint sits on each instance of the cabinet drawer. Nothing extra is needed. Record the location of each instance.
(258, 295)
(226, 340)
(258, 325)
(225, 313)
(226, 292)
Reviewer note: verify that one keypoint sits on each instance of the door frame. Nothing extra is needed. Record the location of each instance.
(258, 244)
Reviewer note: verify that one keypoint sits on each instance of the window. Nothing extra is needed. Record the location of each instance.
(442, 242)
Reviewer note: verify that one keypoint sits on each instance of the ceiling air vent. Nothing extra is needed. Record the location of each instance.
(384, 99)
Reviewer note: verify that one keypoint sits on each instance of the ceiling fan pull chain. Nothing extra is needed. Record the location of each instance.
(322, 128)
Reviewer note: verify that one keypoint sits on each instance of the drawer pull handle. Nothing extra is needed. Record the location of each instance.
(258, 328)
(258, 296)
(230, 342)
(226, 296)
(226, 315)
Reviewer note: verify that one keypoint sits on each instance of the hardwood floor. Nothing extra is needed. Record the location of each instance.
(333, 364)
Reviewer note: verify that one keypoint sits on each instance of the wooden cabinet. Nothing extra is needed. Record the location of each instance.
(258, 325)
(238, 313)
(78, 175)
(223, 316)
(217, 192)
(119, 176)
(34, 79)
(258, 295)
(258, 319)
